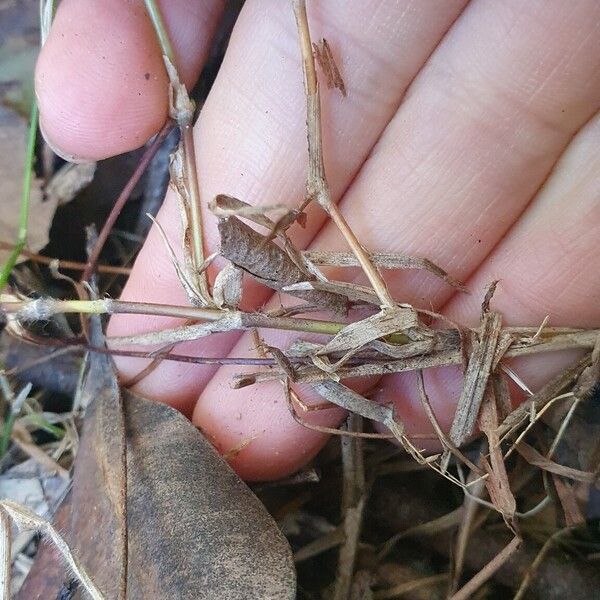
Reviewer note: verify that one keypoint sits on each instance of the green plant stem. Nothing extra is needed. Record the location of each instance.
(43, 308)
(161, 31)
(38, 419)
(7, 428)
(24, 214)
(555, 338)
(14, 404)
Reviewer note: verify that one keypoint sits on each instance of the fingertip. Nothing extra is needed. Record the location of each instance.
(100, 80)
(253, 464)
(99, 83)
(255, 430)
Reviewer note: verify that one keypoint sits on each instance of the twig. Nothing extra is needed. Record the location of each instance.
(563, 427)
(410, 586)
(26, 519)
(533, 457)
(445, 522)
(292, 399)
(534, 417)
(123, 198)
(535, 565)
(560, 341)
(322, 544)
(182, 111)
(44, 308)
(353, 501)
(478, 580)
(550, 391)
(196, 226)
(466, 526)
(37, 454)
(444, 439)
(5, 556)
(382, 260)
(346, 398)
(317, 186)
(399, 507)
(160, 29)
(68, 265)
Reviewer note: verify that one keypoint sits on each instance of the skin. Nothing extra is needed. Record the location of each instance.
(470, 135)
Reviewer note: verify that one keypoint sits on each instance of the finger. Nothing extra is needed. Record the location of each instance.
(100, 78)
(252, 141)
(480, 130)
(254, 426)
(546, 266)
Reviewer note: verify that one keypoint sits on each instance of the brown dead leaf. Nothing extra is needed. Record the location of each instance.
(383, 261)
(533, 457)
(100, 478)
(497, 483)
(266, 262)
(216, 539)
(476, 378)
(194, 529)
(224, 206)
(568, 501)
(357, 334)
(343, 396)
(227, 289)
(324, 56)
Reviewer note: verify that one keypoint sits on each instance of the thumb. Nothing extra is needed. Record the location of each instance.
(100, 80)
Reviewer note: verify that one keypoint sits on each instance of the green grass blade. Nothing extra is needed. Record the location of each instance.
(24, 214)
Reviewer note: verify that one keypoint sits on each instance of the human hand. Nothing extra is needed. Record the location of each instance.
(470, 136)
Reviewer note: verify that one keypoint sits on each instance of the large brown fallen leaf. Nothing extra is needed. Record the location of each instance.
(195, 530)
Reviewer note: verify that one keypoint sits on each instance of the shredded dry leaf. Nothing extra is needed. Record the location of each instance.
(324, 56)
